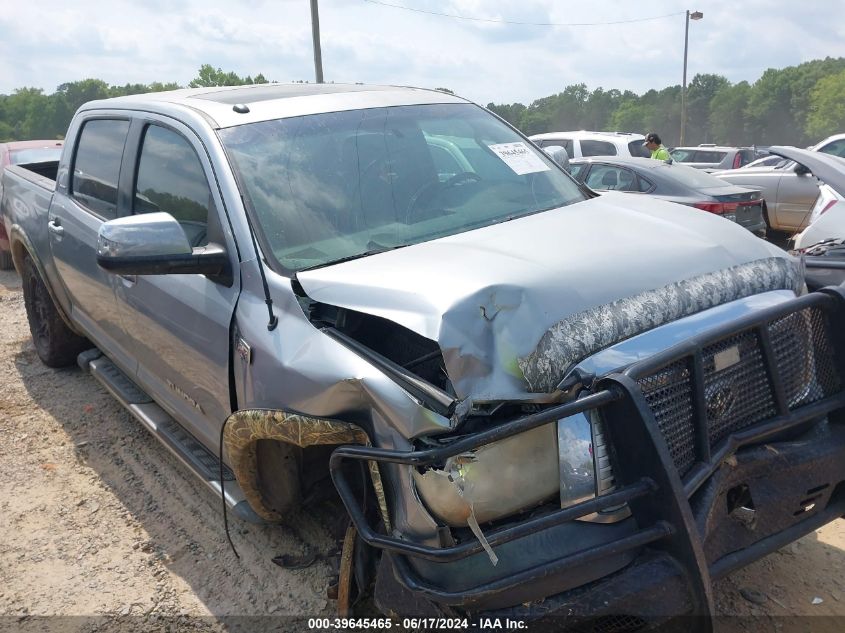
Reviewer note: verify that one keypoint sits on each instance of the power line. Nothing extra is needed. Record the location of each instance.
(464, 17)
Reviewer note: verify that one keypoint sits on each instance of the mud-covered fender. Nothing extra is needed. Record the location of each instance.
(243, 429)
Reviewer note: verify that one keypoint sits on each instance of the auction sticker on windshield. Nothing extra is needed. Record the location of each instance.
(518, 157)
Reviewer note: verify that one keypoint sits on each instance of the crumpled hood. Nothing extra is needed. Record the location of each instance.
(494, 298)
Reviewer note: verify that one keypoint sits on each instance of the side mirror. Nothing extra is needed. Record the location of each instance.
(559, 155)
(156, 244)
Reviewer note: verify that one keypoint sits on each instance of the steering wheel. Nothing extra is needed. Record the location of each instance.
(461, 177)
(428, 187)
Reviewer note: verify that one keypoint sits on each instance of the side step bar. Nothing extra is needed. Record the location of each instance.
(201, 461)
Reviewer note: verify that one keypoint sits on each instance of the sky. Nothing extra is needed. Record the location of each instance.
(48, 42)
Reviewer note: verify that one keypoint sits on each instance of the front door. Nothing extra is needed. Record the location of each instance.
(178, 324)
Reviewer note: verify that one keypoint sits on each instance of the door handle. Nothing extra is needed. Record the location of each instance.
(128, 280)
(55, 228)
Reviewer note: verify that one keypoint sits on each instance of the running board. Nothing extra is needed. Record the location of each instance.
(201, 461)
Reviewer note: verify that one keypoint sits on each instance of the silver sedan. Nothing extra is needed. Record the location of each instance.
(789, 190)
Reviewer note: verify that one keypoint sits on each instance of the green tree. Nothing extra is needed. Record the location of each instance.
(727, 115)
(208, 77)
(827, 107)
(700, 93)
(632, 116)
(512, 113)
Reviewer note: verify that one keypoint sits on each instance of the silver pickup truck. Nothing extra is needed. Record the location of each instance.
(530, 400)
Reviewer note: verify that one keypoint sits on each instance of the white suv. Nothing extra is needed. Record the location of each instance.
(834, 145)
(582, 144)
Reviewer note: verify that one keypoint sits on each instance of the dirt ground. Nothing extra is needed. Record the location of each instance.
(98, 519)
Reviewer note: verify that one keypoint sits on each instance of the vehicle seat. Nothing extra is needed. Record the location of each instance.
(626, 181)
(609, 180)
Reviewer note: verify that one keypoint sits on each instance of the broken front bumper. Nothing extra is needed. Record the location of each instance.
(725, 447)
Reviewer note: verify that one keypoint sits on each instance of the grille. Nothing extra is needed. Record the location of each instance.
(738, 387)
(669, 395)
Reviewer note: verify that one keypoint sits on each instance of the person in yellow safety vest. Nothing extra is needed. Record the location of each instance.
(653, 144)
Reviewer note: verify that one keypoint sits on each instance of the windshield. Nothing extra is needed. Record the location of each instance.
(327, 187)
(39, 155)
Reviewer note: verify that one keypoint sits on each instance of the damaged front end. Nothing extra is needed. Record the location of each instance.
(634, 493)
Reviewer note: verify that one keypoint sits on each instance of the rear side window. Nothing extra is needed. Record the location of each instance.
(597, 148)
(637, 149)
(171, 179)
(96, 166)
(644, 185)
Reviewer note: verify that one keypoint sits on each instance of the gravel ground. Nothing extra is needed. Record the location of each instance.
(98, 519)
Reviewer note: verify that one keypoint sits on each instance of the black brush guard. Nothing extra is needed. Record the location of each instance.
(647, 476)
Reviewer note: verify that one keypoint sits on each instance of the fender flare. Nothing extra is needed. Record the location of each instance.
(21, 247)
(243, 429)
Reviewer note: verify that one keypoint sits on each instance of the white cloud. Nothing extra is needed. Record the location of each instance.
(49, 42)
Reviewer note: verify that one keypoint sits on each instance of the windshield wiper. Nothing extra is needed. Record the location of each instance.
(373, 248)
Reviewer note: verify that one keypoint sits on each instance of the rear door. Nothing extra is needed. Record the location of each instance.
(85, 198)
(178, 326)
(796, 195)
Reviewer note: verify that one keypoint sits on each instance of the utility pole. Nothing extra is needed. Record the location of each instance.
(315, 34)
(695, 15)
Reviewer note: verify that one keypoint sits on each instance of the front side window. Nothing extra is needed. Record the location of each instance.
(327, 187)
(96, 165)
(171, 179)
(597, 148)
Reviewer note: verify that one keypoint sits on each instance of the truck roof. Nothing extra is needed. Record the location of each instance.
(224, 107)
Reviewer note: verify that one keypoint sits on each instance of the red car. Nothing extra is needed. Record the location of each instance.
(22, 153)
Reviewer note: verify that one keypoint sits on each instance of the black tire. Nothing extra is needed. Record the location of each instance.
(56, 344)
(6, 262)
(279, 478)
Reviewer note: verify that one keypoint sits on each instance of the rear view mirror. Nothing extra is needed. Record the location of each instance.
(156, 244)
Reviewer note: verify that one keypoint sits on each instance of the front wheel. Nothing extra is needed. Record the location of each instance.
(55, 343)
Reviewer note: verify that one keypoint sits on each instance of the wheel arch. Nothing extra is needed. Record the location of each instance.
(243, 430)
(21, 248)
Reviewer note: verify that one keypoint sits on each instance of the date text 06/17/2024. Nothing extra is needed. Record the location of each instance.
(415, 624)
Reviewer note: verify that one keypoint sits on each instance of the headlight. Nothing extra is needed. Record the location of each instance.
(568, 459)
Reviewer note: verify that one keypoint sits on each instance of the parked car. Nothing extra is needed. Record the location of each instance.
(30, 153)
(765, 161)
(528, 397)
(674, 183)
(583, 143)
(789, 191)
(827, 216)
(834, 145)
(713, 157)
